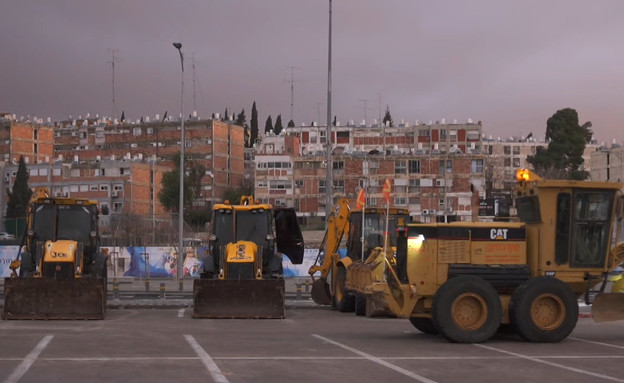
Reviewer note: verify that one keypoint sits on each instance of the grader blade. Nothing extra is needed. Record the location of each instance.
(321, 295)
(608, 307)
(239, 299)
(43, 298)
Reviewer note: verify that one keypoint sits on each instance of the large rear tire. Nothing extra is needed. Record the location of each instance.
(360, 305)
(543, 309)
(345, 302)
(466, 309)
(424, 325)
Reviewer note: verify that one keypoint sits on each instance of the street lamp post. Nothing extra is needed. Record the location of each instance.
(328, 139)
(178, 46)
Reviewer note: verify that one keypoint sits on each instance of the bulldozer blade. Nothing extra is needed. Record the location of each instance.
(321, 295)
(46, 298)
(239, 299)
(608, 307)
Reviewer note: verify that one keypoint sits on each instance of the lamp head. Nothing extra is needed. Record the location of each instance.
(177, 45)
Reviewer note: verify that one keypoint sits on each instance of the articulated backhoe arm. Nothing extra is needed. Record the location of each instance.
(337, 226)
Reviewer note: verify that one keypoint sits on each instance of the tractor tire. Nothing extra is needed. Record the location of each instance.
(360, 305)
(466, 309)
(345, 302)
(424, 325)
(27, 266)
(543, 309)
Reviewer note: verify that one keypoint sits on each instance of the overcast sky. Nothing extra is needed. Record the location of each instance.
(509, 64)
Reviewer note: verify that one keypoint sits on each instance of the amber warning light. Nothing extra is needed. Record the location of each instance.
(523, 175)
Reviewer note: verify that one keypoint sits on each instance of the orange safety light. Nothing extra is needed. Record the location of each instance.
(523, 175)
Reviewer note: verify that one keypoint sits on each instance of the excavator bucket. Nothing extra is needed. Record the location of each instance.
(239, 299)
(608, 307)
(321, 294)
(46, 298)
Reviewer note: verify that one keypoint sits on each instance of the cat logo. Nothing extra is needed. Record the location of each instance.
(498, 234)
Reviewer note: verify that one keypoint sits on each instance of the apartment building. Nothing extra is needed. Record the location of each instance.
(607, 163)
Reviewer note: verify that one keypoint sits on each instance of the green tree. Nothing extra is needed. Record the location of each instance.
(334, 122)
(278, 124)
(268, 125)
(563, 158)
(387, 117)
(234, 195)
(291, 124)
(253, 134)
(169, 195)
(17, 206)
(226, 115)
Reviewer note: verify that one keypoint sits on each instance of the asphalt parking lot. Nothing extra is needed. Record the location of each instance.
(310, 345)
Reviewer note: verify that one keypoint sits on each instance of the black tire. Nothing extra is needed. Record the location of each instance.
(360, 305)
(543, 309)
(424, 325)
(27, 266)
(345, 301)
(466, 309)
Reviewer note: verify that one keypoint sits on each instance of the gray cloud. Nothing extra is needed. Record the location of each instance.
(508, 64)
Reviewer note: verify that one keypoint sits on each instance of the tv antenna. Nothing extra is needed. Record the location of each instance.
(114, 59)
(292, 89)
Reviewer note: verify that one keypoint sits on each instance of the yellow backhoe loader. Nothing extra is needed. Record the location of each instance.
(62, 272)
(464, 280)
(242, 276)
(362, 240)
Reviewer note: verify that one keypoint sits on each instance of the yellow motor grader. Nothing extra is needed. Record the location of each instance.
(464, 280)
(242, 275)
(62, 272)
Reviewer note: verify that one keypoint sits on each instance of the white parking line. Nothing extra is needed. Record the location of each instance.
(181, 313)
(599, 343)
(376, 360)
(537, 360)
(28, 361)
(212, 367)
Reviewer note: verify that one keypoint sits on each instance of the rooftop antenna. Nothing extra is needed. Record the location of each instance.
(114, 59)
(292, 89)
(194, 96)
(365, 101)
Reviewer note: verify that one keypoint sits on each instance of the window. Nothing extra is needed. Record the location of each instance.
(400, 189)
(43, 172)
(280, 184)
(414, 200)
(136, 131)
(103, 187)
(507, 150)
(516, 150)
(298, 183)
(414, 185)
(34, 134)
(453, 135)
(34, 172)
(93, 188)
(149, 131)
(516, 162)
(338, 186)
(400, 201)
(448, 164)
(399, 167)
(342, 134)
(56, 172)
(476, 166)
(414, 166)
(261, 184)
(507, 162)
(337, 165)
(321, 186)
(442, 134)
(472, 135)
(117, 206)
(424, 133)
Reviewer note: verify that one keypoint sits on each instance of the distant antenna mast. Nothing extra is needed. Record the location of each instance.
(365, 109)
(114, 59)
(194, 96)
(318, 112)
(292, 90)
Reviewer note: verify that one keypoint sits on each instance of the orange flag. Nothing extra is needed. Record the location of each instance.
(361, 199)
(387, 189)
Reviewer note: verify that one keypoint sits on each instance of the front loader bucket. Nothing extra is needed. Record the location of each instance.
(239, 299)
(321, 295)
(608, 307)
(46, 298)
